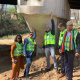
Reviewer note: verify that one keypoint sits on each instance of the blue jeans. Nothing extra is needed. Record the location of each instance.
(29, 61)
(62, 63)
(69, 59)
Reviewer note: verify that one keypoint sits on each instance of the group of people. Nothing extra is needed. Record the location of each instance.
(69, 46)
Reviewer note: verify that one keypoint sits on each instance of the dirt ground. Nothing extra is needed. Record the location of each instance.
(37, 70)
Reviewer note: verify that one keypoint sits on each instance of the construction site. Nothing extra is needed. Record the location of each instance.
(37, 15)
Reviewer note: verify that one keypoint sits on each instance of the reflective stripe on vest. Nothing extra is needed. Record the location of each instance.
(67, 41)
(19, 50)
(30, 46)
(61, 36)
(49, 38)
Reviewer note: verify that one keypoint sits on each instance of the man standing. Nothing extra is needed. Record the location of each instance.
(69, 46)
(28, 49)
(62, 32)
(49, 44)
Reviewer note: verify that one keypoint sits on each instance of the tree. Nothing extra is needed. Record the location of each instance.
(12, 9)
(1, 10)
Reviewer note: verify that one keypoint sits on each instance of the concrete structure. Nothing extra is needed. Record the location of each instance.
(37, 14)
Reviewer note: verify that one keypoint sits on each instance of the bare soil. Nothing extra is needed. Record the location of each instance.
(37, 70)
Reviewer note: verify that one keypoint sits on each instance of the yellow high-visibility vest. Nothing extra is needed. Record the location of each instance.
(49, 38)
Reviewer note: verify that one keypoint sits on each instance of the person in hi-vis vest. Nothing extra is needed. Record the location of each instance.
(62, 29)
(71, 47)
(28, 49)
(49, 45)
(17, 57)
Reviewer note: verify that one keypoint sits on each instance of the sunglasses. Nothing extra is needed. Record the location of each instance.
(19, 38)
(31, 34)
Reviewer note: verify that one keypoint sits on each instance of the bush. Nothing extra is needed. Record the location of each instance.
(12, 26)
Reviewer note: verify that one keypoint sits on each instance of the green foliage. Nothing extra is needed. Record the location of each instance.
(20, 17)
(3, 16)
(76, 24)
(9, 26)
(12, 10)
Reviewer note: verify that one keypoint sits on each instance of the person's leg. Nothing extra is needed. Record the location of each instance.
(29, 61)
(53, 57)
(24, 73)
(62, 63)
(47, 57)
(18, 66)
(13, 75)
(62, 66)
(66, 63)
(17, 74)
(70, 64)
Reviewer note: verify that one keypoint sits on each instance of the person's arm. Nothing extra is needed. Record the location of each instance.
(53, 26)
(34, 31)
(13, 47)
(59, 41)
(24, 47)
(34, 35)
(43, 47)
(78, 43)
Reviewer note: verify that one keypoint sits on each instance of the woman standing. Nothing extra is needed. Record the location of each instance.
(17, 57)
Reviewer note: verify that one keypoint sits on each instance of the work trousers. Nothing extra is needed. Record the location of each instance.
(69, 59)
(47, 52)
(62, 63)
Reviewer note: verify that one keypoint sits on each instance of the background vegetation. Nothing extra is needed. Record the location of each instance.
(11, 23)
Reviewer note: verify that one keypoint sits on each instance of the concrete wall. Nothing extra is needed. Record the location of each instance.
(60, 8)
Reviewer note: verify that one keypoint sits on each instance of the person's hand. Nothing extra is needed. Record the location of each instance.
(51, 15)
(13, 60)
(33, 29)
(42, 49)
(25, 55)
(60, 51)
(77, 54)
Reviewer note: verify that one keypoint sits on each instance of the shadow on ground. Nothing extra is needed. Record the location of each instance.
(5, 60)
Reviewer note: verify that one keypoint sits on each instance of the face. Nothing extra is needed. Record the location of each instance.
(59, 27)
(18, 39)
(31, 35)
(69, 27)
(48, 28)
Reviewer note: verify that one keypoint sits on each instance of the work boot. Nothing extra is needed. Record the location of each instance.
(61, 75)
(47, 70)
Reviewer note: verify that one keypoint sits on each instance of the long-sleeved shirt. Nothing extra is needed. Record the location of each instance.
(25, 44)
(52, 32)
(68, 34)
(78, 43)
(13, 47)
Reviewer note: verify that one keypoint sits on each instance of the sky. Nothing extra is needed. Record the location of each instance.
(7, 7)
